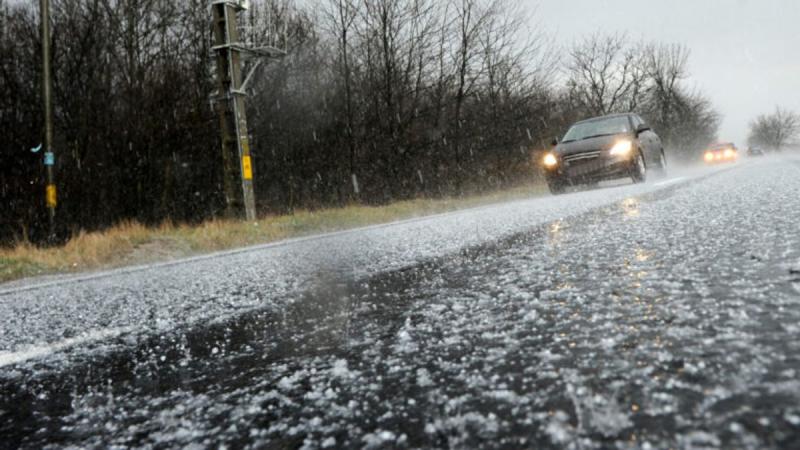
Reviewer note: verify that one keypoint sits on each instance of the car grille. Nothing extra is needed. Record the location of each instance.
(582, 157)
(579, 164)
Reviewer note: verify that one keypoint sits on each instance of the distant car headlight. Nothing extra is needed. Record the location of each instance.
(709, 157)
(622, 148)
(550, 160)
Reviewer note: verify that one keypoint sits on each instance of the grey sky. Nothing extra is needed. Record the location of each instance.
(745, 53)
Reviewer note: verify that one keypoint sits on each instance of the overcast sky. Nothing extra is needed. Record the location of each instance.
(745, 53)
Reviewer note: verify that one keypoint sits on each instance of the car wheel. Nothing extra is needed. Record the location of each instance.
(661, 170)
(556, 187)
(639, 169)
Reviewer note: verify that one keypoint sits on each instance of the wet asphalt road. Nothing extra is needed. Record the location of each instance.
(652, 316)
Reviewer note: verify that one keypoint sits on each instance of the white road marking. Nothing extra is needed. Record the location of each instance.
(38, 351)
(672, 181)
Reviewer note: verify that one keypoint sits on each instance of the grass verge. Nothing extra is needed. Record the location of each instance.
(131, 243)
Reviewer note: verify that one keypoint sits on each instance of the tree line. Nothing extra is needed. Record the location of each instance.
(375, 101)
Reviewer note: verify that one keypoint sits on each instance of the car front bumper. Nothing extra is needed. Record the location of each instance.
(596, 169)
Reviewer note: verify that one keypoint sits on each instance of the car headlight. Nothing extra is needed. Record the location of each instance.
(709, 156)
(622, 148)
(729, 154)
(550, 160)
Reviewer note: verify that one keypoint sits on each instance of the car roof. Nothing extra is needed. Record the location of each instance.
(722, 145)
(607, 116)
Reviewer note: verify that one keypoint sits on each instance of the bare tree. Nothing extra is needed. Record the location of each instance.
(775, 130)
(666, 67)
(605, 74)
(472, 17)
(694, 125)
(341, 17)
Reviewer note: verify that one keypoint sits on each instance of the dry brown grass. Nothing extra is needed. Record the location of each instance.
(132, 243)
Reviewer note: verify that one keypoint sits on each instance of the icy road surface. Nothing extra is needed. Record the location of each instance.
(650, 316)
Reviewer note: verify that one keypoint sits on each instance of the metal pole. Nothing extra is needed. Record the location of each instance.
(51, 197)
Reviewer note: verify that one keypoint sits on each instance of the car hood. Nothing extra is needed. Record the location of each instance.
(587, 145)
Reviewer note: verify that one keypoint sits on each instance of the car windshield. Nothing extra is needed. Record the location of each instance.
(600, 127)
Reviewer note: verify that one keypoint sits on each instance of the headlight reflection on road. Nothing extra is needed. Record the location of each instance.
(555, 233)
(643, 255)
(555, 227)
(630, 207)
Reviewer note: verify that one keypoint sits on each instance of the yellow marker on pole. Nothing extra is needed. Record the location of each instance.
(51, 196)
(247, 167)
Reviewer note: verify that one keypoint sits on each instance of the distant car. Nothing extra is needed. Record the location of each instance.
(724, 152)
(603, 148)
(755, 151)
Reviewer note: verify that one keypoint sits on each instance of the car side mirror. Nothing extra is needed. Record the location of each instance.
(642, 128)
(554, 142)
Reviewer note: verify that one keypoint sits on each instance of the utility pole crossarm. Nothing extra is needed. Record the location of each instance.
(251, 53)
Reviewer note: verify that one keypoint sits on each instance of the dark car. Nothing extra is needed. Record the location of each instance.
(603, 148)
(755, 151)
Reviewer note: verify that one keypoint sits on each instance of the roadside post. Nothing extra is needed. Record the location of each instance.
(51, 195)
(229, 100)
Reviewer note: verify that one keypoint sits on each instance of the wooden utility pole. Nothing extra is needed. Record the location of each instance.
(51, 197)
(230, 104)
(232, 116)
